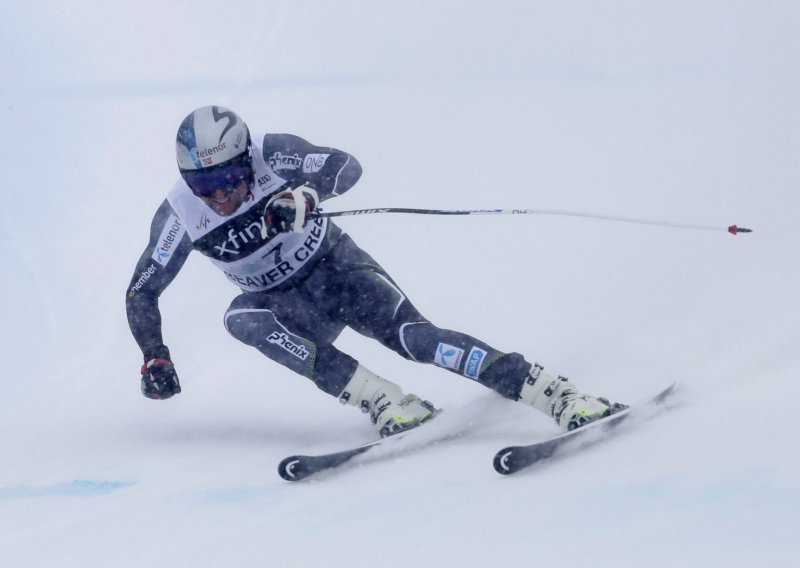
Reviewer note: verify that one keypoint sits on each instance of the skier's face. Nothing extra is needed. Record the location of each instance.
(225, 202)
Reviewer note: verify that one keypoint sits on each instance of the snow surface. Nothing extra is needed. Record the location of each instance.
(684, 111)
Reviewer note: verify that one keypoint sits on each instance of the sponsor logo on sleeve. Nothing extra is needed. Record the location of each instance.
(474, 361)
(144, 276)
(170, 236)
(448, 356)
(279, 161)
(314, 162)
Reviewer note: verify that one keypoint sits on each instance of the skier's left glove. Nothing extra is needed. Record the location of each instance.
(159, 379)
(287, 211)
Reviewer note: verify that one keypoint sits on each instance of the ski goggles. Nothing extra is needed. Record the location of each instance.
(226, 176)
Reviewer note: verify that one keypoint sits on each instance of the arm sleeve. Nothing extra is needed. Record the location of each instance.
(330, 172)
(160, 262)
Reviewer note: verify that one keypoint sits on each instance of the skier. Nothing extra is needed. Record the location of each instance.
(244, 202)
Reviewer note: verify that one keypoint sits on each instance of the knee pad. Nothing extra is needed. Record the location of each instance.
(329, 368)
(249, 324)
(259, 328)
(418, 340)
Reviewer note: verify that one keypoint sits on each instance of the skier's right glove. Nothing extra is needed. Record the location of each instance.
(287, 211)
(159, 379)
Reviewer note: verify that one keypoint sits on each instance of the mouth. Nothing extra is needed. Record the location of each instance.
(226, 202)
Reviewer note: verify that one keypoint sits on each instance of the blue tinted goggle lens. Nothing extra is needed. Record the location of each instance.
(204, 183)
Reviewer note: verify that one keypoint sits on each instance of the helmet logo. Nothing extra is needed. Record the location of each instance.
(219, 115)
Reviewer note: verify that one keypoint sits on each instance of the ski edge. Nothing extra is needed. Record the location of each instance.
(538, 451)
(299, 467)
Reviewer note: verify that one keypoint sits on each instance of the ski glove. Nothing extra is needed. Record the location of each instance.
(286, 211)
(159, 379)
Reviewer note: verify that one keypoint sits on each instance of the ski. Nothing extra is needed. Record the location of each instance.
(296, 468)
(515, 458)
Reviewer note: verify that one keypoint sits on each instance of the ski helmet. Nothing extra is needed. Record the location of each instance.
(213, 151)
(210, 136)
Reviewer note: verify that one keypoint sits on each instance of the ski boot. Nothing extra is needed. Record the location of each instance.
(389, 409)
(561, 400)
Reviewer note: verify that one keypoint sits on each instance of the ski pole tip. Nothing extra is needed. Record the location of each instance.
(734, 230)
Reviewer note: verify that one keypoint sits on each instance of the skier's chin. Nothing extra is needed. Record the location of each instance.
(227, 204)
(226, 208)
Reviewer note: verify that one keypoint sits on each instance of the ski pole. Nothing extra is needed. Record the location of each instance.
(732, 229)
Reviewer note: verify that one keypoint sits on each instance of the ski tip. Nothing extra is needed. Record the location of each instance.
(502, 461)
(665, 393)
(288, 469)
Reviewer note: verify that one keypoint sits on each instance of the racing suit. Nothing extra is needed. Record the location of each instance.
(299, 290)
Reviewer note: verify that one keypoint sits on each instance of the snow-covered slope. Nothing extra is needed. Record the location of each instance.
(682, 111)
